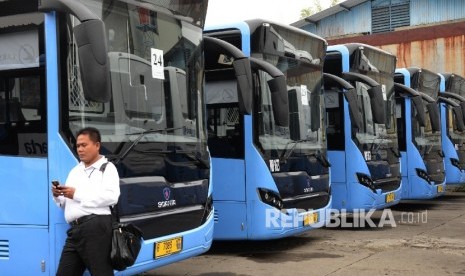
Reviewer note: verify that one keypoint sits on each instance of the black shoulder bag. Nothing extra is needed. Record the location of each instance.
(126, 240)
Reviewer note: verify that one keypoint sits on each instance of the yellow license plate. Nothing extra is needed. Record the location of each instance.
(440, 189)
(310, 219)
(168, 247)
(390, 197)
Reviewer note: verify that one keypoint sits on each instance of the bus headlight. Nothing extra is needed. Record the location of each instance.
(455, 163)
(366, 181)
(423, 174)
(271, 198)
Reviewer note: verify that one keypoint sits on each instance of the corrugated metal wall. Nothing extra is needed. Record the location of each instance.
(439, 48)
(435, 11)
(355, 21)
(358, 19)
(442, 55)
(435, 40)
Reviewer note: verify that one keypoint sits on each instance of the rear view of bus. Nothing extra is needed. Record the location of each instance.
(132, 69)
(422, 156)
(362, 129)
(269, 163)
(453, 138)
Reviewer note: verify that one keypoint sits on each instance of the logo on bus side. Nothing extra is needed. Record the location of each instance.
(274, 165)
(168, 202)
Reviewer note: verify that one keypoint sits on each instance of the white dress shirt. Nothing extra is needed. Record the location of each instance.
(95, 191)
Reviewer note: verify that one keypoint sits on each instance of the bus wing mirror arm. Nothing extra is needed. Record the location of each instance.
(92, 47)
(460, 99)
(350, 95)
(244, 82)
(278, 89)
(376, 95)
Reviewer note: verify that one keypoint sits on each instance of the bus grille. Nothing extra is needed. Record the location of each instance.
(387, 184)
(4, 250)
(216, 216)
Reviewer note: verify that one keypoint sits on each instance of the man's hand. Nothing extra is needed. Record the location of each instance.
(56, 190)
(67, 191)
(63, 191)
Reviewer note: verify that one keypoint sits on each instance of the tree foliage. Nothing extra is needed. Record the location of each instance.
(316, 8)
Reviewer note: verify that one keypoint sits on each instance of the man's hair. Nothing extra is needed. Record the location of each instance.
(94, 134)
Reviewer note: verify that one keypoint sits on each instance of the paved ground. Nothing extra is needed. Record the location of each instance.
(428, 238)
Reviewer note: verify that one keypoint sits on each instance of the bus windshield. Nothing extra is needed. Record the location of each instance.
(377, 139)
(155, 58)
(300, 57)
(373, 138)
(425, 139)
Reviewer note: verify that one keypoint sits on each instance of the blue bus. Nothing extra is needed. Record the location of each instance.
(420, 137)
(362, 130)
(269, 163)
(453, 138)
(134, 70)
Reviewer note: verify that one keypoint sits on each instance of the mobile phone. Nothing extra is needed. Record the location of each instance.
(55, 183)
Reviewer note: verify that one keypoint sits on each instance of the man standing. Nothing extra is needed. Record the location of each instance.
(86, 198)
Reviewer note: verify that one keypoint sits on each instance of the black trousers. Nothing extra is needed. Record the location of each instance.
(88, 245)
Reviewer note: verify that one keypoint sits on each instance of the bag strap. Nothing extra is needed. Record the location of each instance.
(104, 166)
(113, 209)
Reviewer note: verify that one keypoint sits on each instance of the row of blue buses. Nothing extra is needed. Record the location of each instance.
(245, 131)
(383, 138)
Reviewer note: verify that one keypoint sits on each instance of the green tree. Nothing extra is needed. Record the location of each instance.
(306, 12)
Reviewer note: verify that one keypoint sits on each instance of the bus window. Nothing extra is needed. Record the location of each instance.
(22, 87)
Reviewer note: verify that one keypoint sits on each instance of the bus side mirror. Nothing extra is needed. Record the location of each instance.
(462, 105)
(355, 113)
(433, 110)
(419, 106)
(93, 60)
(377, 104)
(244, 83)
(458, 117)
(279, 100)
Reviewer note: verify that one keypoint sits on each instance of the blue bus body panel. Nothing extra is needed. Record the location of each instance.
(229, 198)
(453, 174)
(23, 250)
(24, 191)
(230, 176)
(195, 242)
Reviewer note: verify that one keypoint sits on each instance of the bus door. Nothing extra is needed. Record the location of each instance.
(225, 123)
(24, 186)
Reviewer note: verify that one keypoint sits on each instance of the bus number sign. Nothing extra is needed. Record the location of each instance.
(274, 165)
(158, 69)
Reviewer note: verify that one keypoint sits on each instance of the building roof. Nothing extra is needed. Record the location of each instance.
(343, 6)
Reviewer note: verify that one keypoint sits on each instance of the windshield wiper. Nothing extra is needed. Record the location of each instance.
(428, 148)
(395, 151)
(118, 158)
(195, 156)
(322, 159)
(287, 152)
